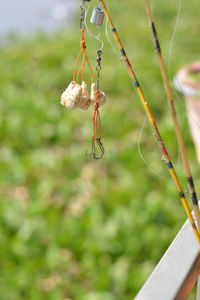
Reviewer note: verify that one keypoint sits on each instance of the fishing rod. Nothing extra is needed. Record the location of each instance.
(152, 122)
(169, 95)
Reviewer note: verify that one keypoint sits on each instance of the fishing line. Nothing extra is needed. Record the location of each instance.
(152, 122)
(153, 170)
(142, 156)
(177, 97)
(145, 121)
(151, 4)
(107, 35)
(76, 95)
(182, 179)
(139, 142)
(173, 38)
(168, 92)
(97, 37)
(180, 88)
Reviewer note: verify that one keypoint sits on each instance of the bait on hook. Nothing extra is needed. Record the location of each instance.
(76, 94)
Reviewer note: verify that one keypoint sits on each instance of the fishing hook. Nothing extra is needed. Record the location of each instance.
(93, 153)
(101, 147)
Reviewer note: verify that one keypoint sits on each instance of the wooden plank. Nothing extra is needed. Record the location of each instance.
(177, 272)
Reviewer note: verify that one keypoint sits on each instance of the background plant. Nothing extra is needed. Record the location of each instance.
(73, 228)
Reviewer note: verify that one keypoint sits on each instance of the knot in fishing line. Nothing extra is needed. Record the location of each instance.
(83, 44)
(96, 105)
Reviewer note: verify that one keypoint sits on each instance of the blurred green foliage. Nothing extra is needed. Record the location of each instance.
(73, 228)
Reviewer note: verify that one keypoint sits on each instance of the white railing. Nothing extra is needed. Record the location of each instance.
(177, 272)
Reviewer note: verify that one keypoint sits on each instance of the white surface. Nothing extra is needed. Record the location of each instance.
(172, 270)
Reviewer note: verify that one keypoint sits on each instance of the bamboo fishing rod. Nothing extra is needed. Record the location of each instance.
(152, 123)
(179, 136)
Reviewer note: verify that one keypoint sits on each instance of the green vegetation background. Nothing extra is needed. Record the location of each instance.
(77, 229)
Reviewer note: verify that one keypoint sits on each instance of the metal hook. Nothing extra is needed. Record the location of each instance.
(101, 147)
(93, 153)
